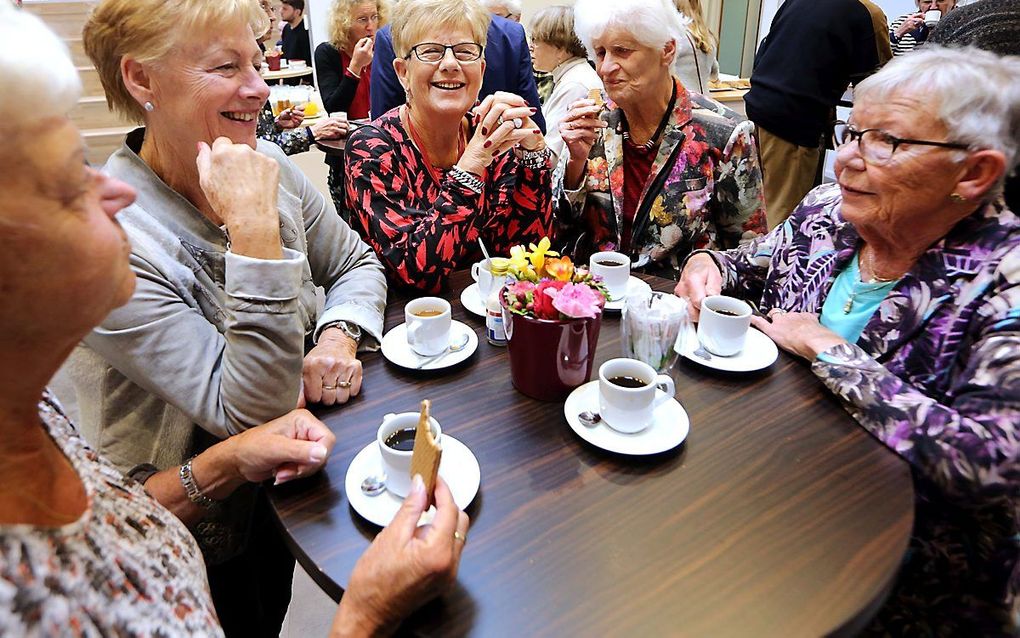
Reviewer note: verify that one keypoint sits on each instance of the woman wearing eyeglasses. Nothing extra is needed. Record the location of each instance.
(901, 286)
(427, 179)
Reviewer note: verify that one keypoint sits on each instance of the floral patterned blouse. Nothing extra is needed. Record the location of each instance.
(127, 567)
(705, 188)
(292, 141)
(423, 230)
(935, 376)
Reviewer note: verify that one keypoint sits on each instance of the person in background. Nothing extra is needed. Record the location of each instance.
(910, 31)
(696, 63)
(814, 49)
(507, 68)
(229, 241)
(431, 177)
(294, 39)
(556, 50)
(661, 171)
(85, 550)
(900, 285)
(284, 129)
(509, 9)
(344, 69)
(992, 25)
(880, 24)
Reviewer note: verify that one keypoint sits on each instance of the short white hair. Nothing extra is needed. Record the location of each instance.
(651, 22)
(512, 6)
(975, 94)
(39, 79)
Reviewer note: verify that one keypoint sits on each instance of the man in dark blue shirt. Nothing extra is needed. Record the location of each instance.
(507, 68)
(296, 45)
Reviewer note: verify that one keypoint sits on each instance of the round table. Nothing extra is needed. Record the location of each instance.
(778, 515)
(284, 74)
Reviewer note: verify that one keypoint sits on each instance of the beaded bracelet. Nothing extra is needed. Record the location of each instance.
(466, 179)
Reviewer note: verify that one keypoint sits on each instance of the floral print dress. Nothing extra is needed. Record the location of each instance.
(935, 376)
(127, 567)
(422, 229)
(704, 191)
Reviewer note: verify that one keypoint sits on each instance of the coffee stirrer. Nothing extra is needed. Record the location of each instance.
(427, 452)
(485, 253)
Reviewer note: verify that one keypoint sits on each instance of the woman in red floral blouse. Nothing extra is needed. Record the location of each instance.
(427, 179)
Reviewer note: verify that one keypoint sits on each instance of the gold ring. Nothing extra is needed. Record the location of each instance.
(343, 384)
(457, 536)
(328, 387)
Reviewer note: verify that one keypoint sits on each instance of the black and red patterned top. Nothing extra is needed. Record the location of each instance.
(423, 230)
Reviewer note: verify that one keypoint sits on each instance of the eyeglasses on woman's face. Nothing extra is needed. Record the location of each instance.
(877, 146)
(365, 20)
(433, 52)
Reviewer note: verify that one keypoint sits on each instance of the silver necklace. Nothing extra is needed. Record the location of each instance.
(875, 279)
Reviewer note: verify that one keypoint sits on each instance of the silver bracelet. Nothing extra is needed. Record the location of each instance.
(466, 179)
(195, 495)
(534, 159)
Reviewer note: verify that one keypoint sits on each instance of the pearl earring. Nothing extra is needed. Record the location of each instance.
(149, 107)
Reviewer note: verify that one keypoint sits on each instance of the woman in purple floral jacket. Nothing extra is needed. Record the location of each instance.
(901, 285)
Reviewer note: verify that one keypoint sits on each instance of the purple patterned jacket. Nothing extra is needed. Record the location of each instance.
(936, 377)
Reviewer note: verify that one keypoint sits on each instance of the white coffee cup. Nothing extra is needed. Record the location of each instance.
(931, 18)
(397, 463)
(481, 272)
(430, 334)
(723, 324)
(298, 64)
(614, 268)
(630, 409)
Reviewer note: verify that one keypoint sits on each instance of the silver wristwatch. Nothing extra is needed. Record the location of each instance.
(352, 330)
(195, 495)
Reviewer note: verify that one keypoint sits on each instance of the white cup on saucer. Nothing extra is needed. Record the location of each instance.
(614, 268)
(428, 322)
(931, 18)
(723, 324)
(396, 463)
(481, 272)
(627, 389)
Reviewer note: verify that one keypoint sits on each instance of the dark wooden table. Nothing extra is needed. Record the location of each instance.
(778, 516)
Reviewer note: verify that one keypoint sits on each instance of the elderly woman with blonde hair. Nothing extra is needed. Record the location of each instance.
(900, 285)
(228, 242)
(659, 171)
(85, 550)
(430, 178)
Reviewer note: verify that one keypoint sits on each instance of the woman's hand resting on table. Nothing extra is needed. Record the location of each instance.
(700, 278)
(331, 128)
(496, 134)
(799, 333)
(406, 565)
(331, 373)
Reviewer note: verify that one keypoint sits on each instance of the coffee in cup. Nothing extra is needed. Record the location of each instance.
(614, 268)
(428, 322)
(723, 325)
(395, 438)
(628, 391)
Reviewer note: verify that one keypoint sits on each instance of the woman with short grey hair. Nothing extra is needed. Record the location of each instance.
(900, 284)
(664, 171)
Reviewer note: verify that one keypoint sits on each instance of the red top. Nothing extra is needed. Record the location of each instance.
(360, 104)
(637, 167)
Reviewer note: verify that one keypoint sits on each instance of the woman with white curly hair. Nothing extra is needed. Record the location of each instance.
(663, 171)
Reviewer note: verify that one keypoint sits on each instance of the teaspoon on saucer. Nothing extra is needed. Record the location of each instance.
(455, 346)
(589, 419)
(374, 485)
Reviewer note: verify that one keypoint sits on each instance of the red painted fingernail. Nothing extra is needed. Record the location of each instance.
(534, 110)
(537, 131)
(485, 130)
(487, 144)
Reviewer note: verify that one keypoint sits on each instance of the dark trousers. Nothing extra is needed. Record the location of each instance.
(251, 591)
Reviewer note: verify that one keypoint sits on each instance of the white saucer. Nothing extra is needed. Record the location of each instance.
(396, 350)
(759, 353)
(669, 427)
(472, 302)
(634, 286)
(459, 468)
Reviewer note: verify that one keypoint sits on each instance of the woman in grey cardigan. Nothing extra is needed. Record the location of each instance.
(228, 243)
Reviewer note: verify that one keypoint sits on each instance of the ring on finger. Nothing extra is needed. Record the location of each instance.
(457, 536)
(328, 387)
(518, 122)
(343, 385)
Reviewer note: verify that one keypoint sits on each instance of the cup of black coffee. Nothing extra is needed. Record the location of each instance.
(629, 392)
(723, 324)
(395, 438)
(428, 321)
(614, 268)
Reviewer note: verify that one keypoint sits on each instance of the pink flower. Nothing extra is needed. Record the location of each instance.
(544, 295)
(521, 289)
(578, 300)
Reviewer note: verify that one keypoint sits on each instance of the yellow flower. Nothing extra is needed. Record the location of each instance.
(518, 258)
(658, 214)
(538, 255)
(561, 269)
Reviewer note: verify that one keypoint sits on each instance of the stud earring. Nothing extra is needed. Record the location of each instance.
(957, 198)
(149, 107)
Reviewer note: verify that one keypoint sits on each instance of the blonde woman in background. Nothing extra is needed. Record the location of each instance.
(555, 49)
(696, 61)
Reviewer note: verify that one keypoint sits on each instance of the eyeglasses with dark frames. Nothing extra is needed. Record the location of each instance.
(877, 146)
(433, 52)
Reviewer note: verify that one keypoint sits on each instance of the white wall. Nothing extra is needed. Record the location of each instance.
(317, 17)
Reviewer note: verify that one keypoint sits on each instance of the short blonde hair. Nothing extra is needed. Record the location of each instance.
(340, 19)
(413, 18)
(698, 27)
(555, 26)
(138, 29)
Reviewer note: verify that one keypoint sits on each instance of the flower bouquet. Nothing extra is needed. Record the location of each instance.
(552, 311)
